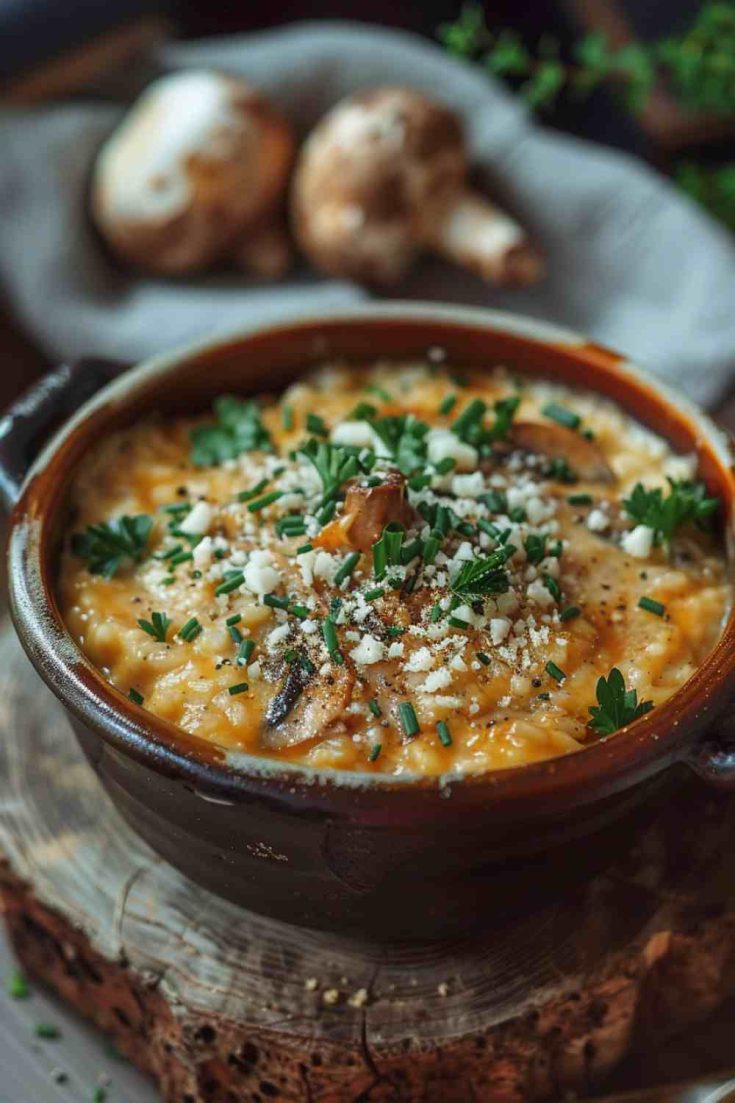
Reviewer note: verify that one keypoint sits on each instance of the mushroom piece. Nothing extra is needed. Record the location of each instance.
(367, 510)
(306, 706)
(196, 174)
(383, 178)
(585, 457)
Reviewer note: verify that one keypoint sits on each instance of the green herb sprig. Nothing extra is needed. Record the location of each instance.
(157, 626)
(334, 466)
(108, 544)
(686, 502)
(616, 706)
(238, 428)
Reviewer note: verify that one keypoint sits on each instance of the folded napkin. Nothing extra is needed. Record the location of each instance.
(631, 262)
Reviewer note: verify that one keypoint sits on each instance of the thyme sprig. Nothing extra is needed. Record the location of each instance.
(484, 574)
(686, 502)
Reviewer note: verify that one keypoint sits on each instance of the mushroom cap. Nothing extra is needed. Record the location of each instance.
(371, 179)
(197, 160)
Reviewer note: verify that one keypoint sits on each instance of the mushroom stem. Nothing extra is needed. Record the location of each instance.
(476, 234)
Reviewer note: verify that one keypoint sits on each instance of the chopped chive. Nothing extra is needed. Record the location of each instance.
(100, 1094)
(190, 630)
(326, 512)
(47, 1031)
(362, 412)
(411, 550)
(375, 707)
(447, 404)
(219, 553)
(466, 529)
(570, 612)
(276, 602)
(299, 611)
(652, 606)
(167, 554)
(18, 986)
(347, 567)
(394, 630)
(304, 549)
(266, 500)
(561, 415)
(246, 495)
(287, 418)
(484, 659)
(176, 508)
(457, 622)
(315, 425)
(555, 671)
(241, 687)
(436, 613)
(459, 379)
(419, 482)
(235, 633)
(444, 734)
(375, 752)
(488, 528)
(180, 557)
(329, 632)
(244, 652)
(552, 586)
(443, 467)
(409, 721)
(168, 580)
(580, 499)
(543, 696)
(372, 595)
(196, 574)
(294, 524)
(518, 515)
(431, 546)
(234, 619)
(230, 584)
(135, 697)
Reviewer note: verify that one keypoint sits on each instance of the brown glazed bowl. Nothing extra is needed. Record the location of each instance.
(387, 857)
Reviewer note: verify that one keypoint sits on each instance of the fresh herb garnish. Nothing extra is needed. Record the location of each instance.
(47, 1031)
(157, 626)
(535, 545)
(266, 500)
(555, 671)
(375, 752)
(409, 720)
(18, 986)
(558, 468)
(552, 586)
(375, 707)
(238, 428)
(616, 706)
(233, 580)
(470, 425)
(241, 687)
(652, 606)
(580, 499)
(190, 630)
(109, 543)
(316, 425)
(447, 404)
(329, 632)
(387, 550)
(244, 652)
(570, 613)
(484, 575)
(334, 465)
(404, 437)
(686, 502)
(442, 730)
(562, 415)
(135, 697)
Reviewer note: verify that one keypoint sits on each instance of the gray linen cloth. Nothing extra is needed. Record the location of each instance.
(632, 263)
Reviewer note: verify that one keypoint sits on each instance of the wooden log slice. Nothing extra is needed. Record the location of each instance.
(221, 1005)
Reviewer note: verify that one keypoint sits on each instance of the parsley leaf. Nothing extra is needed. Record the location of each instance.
(238, 428)
(109, 543)
(484, 574)
(685, 502)
(616, 706)
(334, 464)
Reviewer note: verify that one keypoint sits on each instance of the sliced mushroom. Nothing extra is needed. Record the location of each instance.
(368, 509)
(584, 456)
(306, 706)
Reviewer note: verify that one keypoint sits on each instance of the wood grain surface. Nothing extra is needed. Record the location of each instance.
(218, 1004)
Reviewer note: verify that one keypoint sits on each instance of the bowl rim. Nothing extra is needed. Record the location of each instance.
(648, 745)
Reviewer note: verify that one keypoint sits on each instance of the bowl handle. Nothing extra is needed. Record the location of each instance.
(714, 759)
(27, 424)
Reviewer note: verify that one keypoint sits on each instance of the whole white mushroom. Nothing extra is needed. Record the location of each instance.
(195, 174)
(382, 178)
